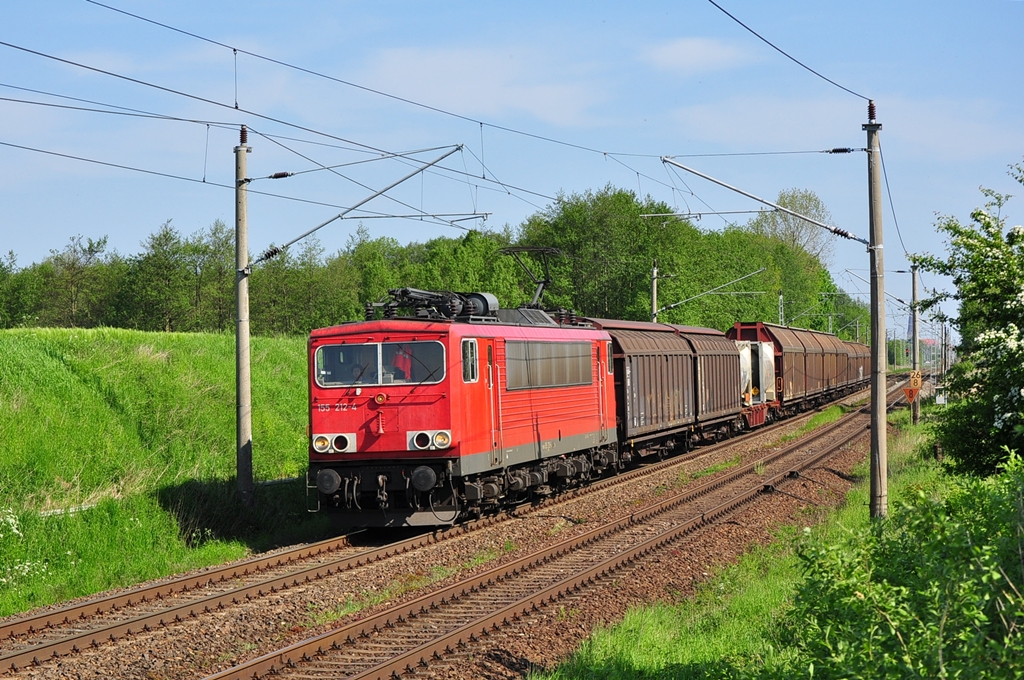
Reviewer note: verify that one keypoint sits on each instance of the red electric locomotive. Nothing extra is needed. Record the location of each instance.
(460, 407)
(430, 419)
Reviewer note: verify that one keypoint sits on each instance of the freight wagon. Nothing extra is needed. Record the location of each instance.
(811, 368)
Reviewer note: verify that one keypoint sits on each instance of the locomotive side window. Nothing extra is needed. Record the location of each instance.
(470, 368)
(379, 364)
(548, 364)
(611, 368)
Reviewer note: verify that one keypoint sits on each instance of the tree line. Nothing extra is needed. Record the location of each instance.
(607, 241)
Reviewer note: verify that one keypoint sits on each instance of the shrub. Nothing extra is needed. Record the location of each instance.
(986, 263)
(933, 592)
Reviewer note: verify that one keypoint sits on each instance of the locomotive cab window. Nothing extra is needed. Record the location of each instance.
(470, 366)
(379, 364)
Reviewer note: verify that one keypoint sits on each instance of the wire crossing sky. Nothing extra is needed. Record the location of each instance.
(546, 100)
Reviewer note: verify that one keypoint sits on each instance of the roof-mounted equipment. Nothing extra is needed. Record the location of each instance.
(425, 304)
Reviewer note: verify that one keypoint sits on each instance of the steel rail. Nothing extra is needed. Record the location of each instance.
(164, 589)
(66, 616)
(159, 591)
(421, 656)
(69, 615)
(36, 654)
(335, 639)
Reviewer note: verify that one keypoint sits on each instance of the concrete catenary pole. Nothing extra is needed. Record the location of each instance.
(879, 452)
(654, 292)
(915, 408)
(243, 385)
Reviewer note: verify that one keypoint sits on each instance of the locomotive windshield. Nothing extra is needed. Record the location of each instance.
(380, 364)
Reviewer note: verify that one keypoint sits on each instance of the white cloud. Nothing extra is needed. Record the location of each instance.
(692, 56)
(486, 82)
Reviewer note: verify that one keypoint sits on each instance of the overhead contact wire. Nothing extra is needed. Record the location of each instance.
(780, 51)
(185, 94)
(207, 183)
(892, 207)
(335, 172)
(415, 103)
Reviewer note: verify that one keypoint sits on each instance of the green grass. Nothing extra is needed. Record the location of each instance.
(687, 477)
(829, 415)
(690, 638)
(140, 427)
(108, 413)
(729, 628)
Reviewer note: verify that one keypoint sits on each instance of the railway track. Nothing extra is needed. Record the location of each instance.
(38, 638)
(409, 637)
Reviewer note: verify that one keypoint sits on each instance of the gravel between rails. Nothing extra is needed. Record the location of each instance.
(548, 637)
(223, 638)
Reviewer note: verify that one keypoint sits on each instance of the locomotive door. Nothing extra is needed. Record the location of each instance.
(602, 387)
(493, 402)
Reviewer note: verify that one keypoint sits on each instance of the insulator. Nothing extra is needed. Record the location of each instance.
(841, 150)
(369, 311)
(271, 252)
(871, 110)
(453, 306)
(280, 175)
(389, 312)
(572, 317)
(244, 136)
(561, 317)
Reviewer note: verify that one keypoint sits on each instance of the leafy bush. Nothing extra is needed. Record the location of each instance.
(986, 262)
(933, 592)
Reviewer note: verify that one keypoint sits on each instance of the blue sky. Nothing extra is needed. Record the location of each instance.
(629, 82)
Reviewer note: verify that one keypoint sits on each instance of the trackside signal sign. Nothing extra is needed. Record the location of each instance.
(916, 381)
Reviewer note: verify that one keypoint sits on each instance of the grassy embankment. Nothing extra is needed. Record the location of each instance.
(139, 428)
(732, 626)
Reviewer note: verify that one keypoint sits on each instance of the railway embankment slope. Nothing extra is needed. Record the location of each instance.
(117, 455)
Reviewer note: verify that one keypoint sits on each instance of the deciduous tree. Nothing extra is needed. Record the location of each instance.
(986, 263)
(73, 278)
(795, 232)
(157, 290)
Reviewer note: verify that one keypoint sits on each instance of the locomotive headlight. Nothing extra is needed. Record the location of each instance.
(341, 443)
(428, 440)
(321, 443)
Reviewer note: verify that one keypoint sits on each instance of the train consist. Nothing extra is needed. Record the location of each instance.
(459, 407)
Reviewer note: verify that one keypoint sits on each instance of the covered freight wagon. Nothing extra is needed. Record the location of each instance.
(671, 383)
(811, 367)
